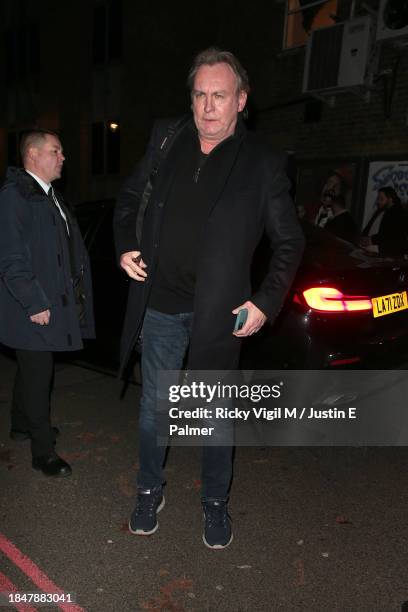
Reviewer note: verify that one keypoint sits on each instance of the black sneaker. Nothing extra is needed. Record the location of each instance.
(149, 502)
(217, 527)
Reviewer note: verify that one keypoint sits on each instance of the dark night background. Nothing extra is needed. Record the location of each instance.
(318, 529)
(78, 66)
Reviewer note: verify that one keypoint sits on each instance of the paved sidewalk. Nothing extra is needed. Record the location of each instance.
(315, 529)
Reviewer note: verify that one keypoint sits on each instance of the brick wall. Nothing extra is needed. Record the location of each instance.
(352, 127)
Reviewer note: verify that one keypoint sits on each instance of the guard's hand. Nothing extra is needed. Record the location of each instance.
(133, 264)
(256, 319)
(41, 318)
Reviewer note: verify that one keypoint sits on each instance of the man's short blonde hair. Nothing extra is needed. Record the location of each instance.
(33, 138)
(212, 56)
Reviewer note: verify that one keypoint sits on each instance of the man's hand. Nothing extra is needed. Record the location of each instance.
(41, 318)
(133, 264)
(254, 322)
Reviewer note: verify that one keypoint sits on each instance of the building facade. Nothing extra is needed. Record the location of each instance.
(100, 71)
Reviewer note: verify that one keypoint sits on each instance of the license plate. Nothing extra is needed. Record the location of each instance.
(387, 304)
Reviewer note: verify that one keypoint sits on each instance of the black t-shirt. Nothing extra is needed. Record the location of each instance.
(184, 217)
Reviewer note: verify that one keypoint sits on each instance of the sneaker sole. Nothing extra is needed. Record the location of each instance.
(64, 475)
(218, 546)
(140, 532)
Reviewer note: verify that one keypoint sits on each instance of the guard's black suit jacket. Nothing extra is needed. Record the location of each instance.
(250, 198)
(36, 269)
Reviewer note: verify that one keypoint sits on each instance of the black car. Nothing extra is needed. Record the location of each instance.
(346, 308)
(110, 285)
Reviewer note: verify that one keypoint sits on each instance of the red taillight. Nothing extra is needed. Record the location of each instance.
(341, 362)
(328, 299)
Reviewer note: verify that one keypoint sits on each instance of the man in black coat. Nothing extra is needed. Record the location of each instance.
(217, 190)
(45, 290)
(387, 229)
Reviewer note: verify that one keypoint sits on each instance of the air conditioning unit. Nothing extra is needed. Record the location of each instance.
(337, 56)
(392, 19)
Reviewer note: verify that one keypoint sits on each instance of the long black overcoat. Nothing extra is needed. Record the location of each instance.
(35, 270)
(252, 198)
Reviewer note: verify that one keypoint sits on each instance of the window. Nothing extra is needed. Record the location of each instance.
(304, 16)
(34, 48)
(105, 147)
(107, 31)
(115, 30)
(22, 52)
(11, 56)
(98, 148)
(99, 35)
(112, 148)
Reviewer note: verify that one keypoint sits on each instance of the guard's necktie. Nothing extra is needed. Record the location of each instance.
(53, 197)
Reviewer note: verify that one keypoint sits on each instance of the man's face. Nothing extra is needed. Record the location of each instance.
(216, 102)
(330, 191)
(333, 184)
(47, 159)
(382, 200)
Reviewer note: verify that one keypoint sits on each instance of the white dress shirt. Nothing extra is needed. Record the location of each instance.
(46, 187)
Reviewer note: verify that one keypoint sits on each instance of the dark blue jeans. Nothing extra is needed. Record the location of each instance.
(165, 342)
